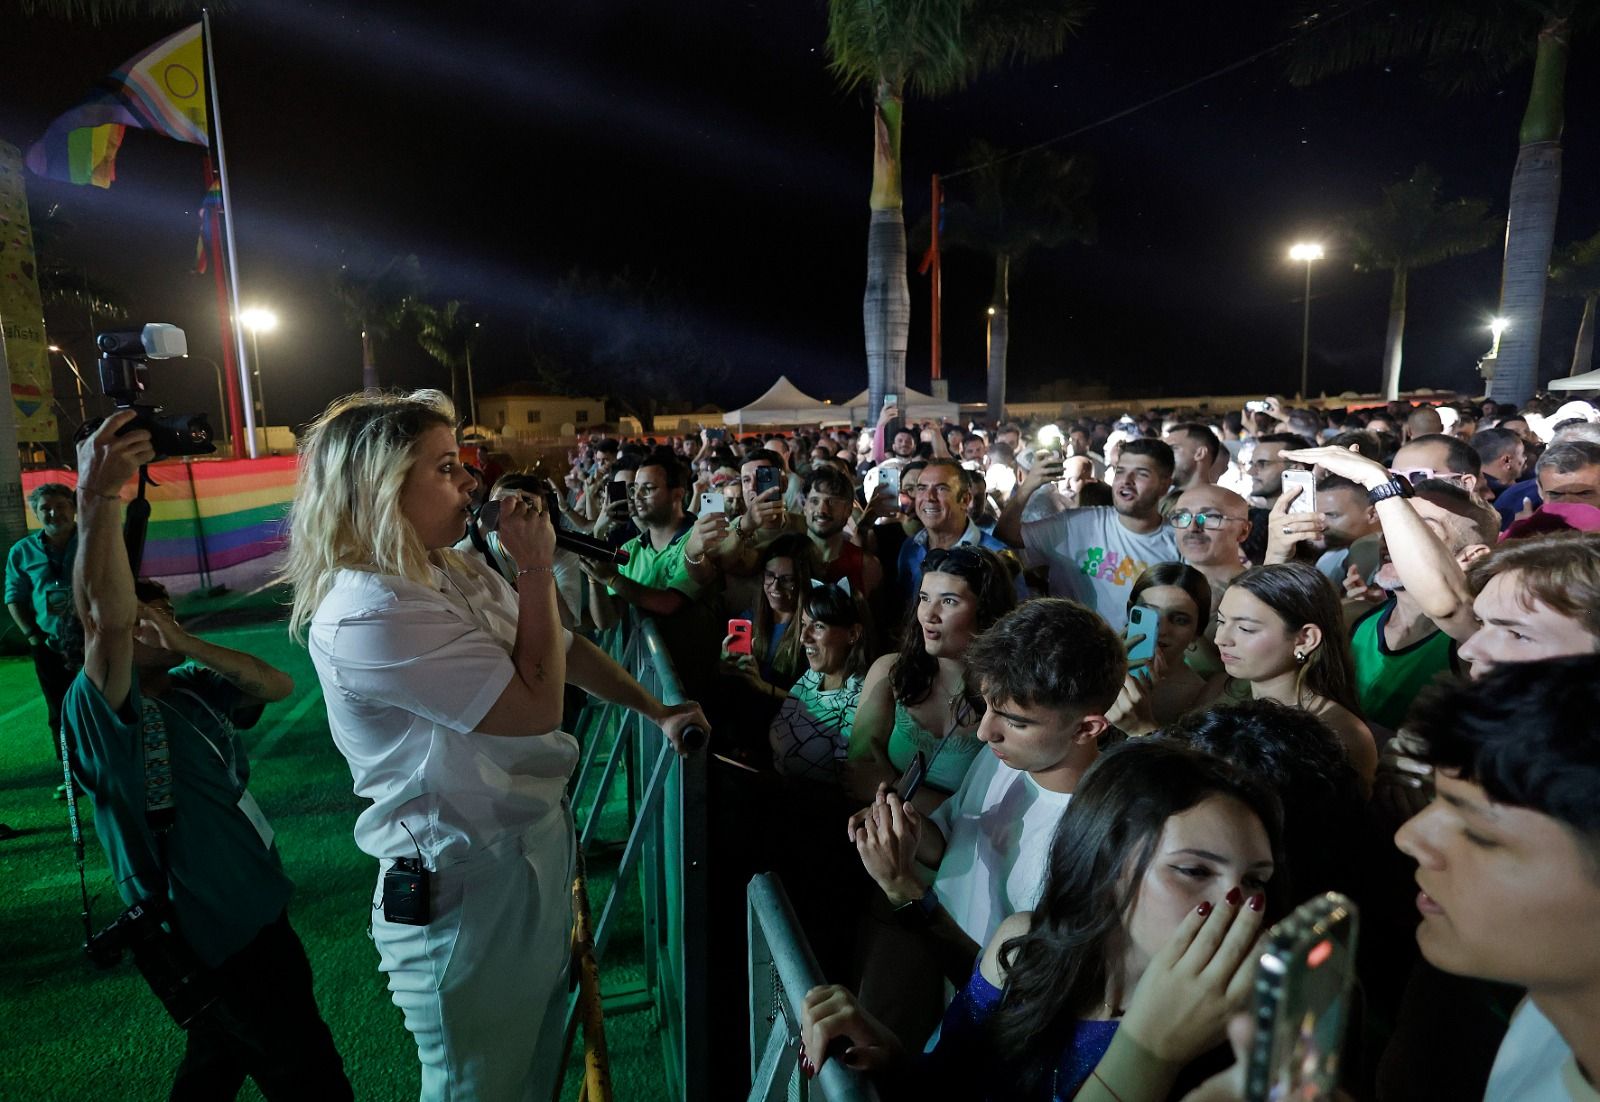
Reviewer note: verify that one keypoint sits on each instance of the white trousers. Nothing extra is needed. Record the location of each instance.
(483, 986)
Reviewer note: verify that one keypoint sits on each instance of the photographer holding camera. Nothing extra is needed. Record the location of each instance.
(158, 749)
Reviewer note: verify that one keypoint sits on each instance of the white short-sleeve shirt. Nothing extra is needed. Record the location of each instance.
(407, 672)
(1094, 559)
(1535, 1064)
(997, 828)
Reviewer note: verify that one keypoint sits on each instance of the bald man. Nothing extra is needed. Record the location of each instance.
(1217, 552)
(1423, 421)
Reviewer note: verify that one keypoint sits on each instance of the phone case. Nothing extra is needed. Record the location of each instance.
(1307, 501)
(741, 629)
(1302, 999)
(1146, 622)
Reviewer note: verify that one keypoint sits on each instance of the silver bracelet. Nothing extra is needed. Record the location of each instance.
(550, 570)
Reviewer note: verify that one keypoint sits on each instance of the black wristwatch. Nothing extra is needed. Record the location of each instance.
(1395, 487)
(917, 912)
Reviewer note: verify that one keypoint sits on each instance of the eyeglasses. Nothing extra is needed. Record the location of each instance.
(781, 581)
(1207, 521)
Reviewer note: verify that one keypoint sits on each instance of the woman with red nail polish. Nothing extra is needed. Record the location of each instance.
(1124, 975)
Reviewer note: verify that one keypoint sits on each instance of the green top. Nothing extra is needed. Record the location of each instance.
(663, 569)
(224, 882)
(948, 758)
(39, 577)
(1388, 681)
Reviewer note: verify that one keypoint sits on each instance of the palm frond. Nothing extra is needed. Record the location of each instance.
(1022, 203)
(1575, 270)
(1438, 34)
(934, 47)
(1411, 227)
(96, 12)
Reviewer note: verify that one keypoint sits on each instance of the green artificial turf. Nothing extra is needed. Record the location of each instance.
(72, 1033)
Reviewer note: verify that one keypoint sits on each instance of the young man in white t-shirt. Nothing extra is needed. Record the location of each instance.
(1095, 555)
(1048, 671)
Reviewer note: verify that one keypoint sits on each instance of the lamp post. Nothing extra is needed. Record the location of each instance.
(258, 320)
(222, 402)
(83, 408)
(1308, 252)
(472, 398)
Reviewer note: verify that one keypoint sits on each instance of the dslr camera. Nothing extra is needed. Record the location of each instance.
(165, 960)
(125, 356)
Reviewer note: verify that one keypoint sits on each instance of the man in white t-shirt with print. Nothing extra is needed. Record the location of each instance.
(1095, 555)
(1048, 671)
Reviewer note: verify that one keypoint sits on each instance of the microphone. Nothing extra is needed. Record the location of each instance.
(587, 546)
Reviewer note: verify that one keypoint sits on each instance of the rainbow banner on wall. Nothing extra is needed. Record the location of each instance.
(206, 514)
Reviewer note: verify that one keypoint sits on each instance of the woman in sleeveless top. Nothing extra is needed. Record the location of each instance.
(918, 699)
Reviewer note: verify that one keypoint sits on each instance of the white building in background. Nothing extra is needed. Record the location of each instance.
(520, 413)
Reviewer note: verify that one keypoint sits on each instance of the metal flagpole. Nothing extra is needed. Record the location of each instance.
(246, 395)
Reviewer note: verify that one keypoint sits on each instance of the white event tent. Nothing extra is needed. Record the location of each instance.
(1589, 380)
(782, 404)
(918, 407)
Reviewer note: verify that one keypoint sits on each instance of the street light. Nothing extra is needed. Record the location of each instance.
(258, 319)
(1308, 252)
(83, 409)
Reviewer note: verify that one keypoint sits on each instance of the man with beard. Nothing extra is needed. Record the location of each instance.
(1095, 555)
(1194, 453)
(828, 497)
(1343, 516)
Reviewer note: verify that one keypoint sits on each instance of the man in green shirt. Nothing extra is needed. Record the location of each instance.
(39, 594)
(158, 749)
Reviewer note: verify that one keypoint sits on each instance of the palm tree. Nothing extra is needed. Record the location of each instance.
(929, 48)
(1576, 274)
(448, 335)
(378, 295)
(1464, 43)
(1020, 203)
(1411, 228)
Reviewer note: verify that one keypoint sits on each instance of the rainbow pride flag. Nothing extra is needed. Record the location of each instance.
(161, 89)
(206, 513)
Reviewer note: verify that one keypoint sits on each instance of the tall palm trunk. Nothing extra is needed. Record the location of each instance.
(999, 336)
(1583, 350)
(369, 364)
(13, 519)
(1531, 221)
(1396, 335)
(886, 307)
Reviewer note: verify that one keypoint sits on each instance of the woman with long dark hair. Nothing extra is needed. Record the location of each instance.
(811, 732)
(918, 700)
(1160, 691)
(1280, 629)
(1160, 877)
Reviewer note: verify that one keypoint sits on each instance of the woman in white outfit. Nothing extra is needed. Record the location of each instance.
(444, 692)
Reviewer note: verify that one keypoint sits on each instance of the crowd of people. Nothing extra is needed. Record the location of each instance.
(1041, 724)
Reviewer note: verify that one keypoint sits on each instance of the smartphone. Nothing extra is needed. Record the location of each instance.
(1304, 979)
(889, 480)
(1257, 406)
(740, 630)
(716, 434)
(616, 490)
(891, 399)
(713, 501)
(911, 780)
(1307, 501)
(1146, 622)
(767, 478)
(1366, 555)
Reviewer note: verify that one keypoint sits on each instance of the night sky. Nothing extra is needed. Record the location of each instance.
(707, 147)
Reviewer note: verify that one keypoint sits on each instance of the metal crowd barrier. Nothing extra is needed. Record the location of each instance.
(782, 970)
(664, 857)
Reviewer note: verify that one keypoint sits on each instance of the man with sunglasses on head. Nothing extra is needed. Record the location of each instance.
(1439, 456)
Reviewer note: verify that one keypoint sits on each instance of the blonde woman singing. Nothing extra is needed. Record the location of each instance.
(444, 692)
